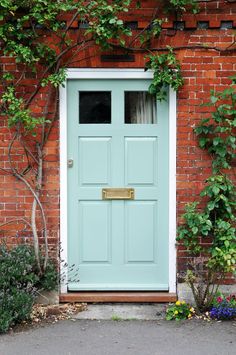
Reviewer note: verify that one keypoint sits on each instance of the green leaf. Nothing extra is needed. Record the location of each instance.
(227, 243)
(202, 142)
(211, 205)
(119, 22)
(215, 190)
(214, 99)
(195, 230)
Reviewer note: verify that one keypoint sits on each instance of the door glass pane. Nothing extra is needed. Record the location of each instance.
(140, 107)
(94, 107)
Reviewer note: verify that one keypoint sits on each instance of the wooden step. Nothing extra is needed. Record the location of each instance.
(140, 297)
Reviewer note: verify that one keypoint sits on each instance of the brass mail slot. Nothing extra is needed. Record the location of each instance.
(117, 194)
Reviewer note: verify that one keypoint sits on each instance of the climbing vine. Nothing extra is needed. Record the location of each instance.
(166, 69)
(217, 133)
(215, 223)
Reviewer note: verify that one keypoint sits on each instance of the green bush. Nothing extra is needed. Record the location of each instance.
(17, 268)
(15, 306)
(19, 283)
(49, 280)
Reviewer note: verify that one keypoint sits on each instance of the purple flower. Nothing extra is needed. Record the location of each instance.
(223, 312)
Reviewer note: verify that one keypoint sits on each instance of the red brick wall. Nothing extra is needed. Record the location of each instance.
(203, 69)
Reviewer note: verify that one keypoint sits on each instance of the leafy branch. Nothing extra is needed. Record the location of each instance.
(167, 72)
(217, 133)
(211, 230)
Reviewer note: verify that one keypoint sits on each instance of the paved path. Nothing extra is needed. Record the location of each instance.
(123, 311)
(101, 337)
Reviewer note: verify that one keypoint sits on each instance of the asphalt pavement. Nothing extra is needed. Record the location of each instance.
(123, 337)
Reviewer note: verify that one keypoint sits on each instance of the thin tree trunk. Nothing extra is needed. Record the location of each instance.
(35, 235)
(33, 213)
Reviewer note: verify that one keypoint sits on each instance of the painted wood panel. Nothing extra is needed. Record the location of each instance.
(94, 160)
(117, 244)
(141, 231)
(95, 216)
(141, 160)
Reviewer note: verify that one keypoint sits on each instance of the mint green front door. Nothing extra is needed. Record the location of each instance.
(117, 138)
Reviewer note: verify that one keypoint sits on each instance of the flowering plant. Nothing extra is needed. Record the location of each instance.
(180, 310)
(223, 308)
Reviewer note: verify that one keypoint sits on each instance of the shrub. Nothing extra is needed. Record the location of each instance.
(180, 310)
(203, 283)
(17, 268)
(15, 306)
(49, 279)
(19, 283)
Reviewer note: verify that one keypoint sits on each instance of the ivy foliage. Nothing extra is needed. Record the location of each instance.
(217, 220)
(183, 5)
(167, 72)
(154, 30)
(217, 134)
(36, 35)
(23, 24)
(104, 22)
(17, 114)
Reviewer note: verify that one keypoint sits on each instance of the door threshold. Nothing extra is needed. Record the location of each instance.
(116, 296)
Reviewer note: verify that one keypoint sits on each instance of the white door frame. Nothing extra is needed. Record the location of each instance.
(78, 73)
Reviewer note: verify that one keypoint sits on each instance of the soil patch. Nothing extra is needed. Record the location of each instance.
(49, 314)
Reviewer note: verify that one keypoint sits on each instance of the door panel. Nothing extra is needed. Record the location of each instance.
(95, 160)
(95, 247)
(117, 244)
(140, 160)
(140, 225)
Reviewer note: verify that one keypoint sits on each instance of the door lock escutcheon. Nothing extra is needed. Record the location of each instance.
(70, 163)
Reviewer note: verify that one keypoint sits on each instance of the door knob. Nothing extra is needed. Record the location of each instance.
(70, 163)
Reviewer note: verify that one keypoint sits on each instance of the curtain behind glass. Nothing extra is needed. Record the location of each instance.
(140, 108)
